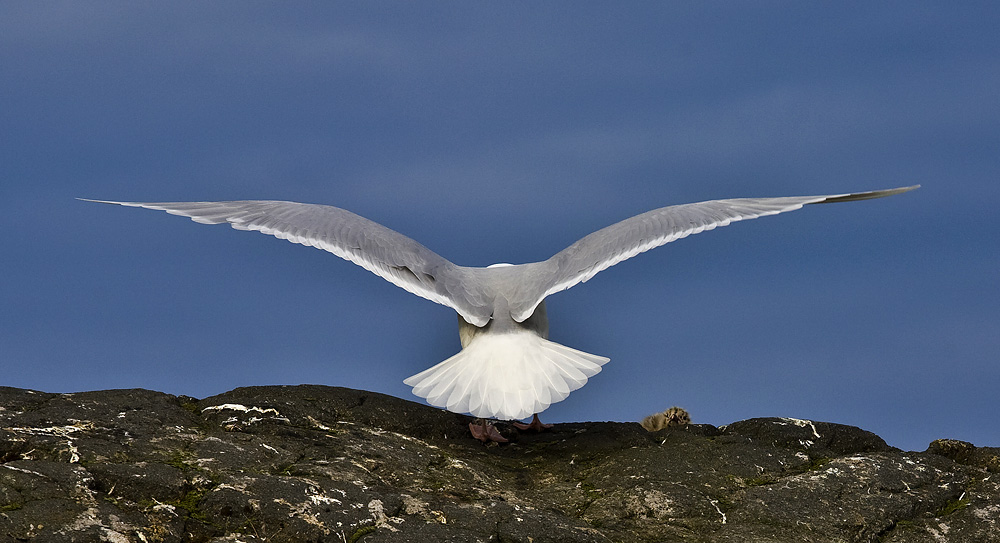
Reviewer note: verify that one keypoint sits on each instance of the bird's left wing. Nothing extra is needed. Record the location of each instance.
(609, 246)
(380, 250)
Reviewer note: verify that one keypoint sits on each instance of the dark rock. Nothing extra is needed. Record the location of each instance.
(817, 438)
(313, 463)
(967, 453)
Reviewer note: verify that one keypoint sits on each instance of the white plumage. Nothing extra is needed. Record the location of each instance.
(507, 367)
(511, 376)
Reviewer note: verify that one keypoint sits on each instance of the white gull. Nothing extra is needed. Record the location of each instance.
(507, 368)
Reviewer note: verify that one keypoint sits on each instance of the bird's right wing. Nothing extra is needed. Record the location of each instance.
(380, 250)
(609, 246)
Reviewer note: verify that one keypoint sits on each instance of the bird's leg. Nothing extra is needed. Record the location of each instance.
(485, 432)
(535, 426)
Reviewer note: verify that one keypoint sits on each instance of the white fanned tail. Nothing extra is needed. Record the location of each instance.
(506, 376)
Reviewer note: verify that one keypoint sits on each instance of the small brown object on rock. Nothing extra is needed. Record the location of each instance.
(675, 416)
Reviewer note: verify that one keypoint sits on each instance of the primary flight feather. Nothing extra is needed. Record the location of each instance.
(507, 368)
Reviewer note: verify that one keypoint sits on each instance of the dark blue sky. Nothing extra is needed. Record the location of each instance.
(502, 132)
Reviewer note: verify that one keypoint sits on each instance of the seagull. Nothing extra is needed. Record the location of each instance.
(507, 368)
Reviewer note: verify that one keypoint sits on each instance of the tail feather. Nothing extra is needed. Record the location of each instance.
(506, 376)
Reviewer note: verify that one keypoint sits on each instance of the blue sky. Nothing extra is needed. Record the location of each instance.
(503, 132)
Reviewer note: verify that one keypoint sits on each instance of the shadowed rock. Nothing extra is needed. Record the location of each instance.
(315, 463)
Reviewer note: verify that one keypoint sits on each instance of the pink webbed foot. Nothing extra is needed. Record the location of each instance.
(535, 426)
(485, 432)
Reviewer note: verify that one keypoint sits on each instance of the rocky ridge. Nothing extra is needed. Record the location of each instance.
(324, 464)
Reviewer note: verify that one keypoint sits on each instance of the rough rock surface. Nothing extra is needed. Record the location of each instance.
(314, 463)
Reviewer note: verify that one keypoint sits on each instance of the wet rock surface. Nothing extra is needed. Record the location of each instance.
(314, 463)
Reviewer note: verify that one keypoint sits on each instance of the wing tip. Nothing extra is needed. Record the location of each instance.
(867, 195)
(114, 202)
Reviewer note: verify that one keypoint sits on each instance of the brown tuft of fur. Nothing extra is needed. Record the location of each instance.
(675, 416)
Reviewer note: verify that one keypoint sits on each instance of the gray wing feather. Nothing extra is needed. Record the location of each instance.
(609, 246)
(380, 250)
